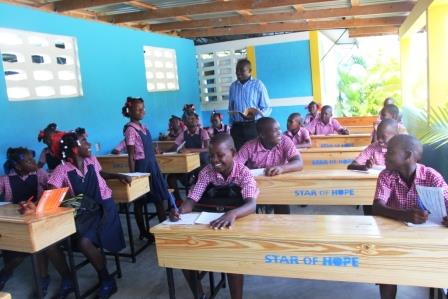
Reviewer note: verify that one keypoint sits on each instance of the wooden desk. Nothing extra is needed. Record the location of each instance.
(114, 163)
(357, 120)
(318, 187)
(164, 146)
(340, 140)
(360, 129)
(175, 163)
(339, 248)
(123, 193)
(178, 163)
(4, 295)
(32, 234)
(329, 158)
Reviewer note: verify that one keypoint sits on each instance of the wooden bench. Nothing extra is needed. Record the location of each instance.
(329, 158)
(318, 187)
(352, 140)
(357, 120)
(361, 249)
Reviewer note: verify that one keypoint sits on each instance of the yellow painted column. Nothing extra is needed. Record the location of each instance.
(437, 28)
(315, 66)
(253, 61)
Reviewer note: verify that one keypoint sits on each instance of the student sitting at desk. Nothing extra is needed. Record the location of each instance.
(217, 125)
(387, 101)
(326, 124)
(23, 181)
(175, 128)
(223, 170)
(396, 195)
(390, 112)
(273, 151)
(313, 113)
(81, 173)
(375, 153)
(194, 140)
(298, 134)
(47, 156)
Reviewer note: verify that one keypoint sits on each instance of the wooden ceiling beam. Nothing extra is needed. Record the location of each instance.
(355, 2)
(68, 5)
(373, 31)
(291, 27)
(142, 5)
(205, 8)
(294, 16)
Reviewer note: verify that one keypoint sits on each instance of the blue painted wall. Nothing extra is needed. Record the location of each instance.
(112, 68)
(285, 69)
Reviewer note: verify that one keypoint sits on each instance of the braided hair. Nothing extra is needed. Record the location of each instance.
(43, 134)
(14, 156)
(81, 131)
(68, 146)
(130, 101)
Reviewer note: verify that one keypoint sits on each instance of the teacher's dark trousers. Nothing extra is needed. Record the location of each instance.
(242, 132)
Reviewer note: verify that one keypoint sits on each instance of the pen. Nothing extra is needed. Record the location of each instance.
(421, 206)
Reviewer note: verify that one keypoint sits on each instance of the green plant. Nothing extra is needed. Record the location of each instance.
(436, 131)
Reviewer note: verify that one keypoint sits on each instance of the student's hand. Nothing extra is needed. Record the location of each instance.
(115, 152)
(174, 215)
(224, 221)
(445, 221)
(272, 171)
(344, 131)
(369, 164)
(416, 216)
(125, 179)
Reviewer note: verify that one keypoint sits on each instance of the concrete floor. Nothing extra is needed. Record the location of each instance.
(145, 279)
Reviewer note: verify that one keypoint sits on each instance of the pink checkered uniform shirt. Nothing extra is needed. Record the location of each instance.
(224, 129)
(121, 146)
(5, 186)
(302, 136)
(132, 137)
(201, 131)
(309, 118)
(239, 176)
(394, 192)
(258, 156)
(59, 176)
(317, 127)
(374, 151)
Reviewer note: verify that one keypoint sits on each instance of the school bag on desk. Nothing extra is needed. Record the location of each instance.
(220, 199)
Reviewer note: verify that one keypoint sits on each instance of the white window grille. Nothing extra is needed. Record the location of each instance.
(39, 66)
(161, 69)
(216, 73)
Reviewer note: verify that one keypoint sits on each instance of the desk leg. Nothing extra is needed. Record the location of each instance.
(36, 275)
(170, 279)
(196, 281)
(71, 262)
(130, 234)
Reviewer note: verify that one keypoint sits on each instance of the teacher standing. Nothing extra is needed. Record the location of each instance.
(248, 101)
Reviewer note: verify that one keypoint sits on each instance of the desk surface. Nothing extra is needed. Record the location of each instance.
(331, 149)
(341, 248)
(9, 213)
(342, 174)
(336, 136)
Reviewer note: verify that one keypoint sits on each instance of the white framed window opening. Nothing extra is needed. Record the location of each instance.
(161, 69)
(39, 66)
(216, 74)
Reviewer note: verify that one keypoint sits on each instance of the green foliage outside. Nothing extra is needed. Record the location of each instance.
(364, 83)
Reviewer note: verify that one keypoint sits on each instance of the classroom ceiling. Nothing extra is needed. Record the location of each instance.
(208, 21)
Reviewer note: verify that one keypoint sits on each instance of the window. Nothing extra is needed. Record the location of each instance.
(39, 66)
(216, 73)
(161, 69)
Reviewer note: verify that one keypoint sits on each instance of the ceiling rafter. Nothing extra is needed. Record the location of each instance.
(283, 17)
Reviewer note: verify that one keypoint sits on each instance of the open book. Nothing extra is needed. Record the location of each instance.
(433, 201)
(195, 218)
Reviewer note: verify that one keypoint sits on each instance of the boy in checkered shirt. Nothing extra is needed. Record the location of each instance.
(222, 170)
(375, 153)
(396, 194)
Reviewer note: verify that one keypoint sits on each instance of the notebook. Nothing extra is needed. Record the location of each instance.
(50, 200)
(195, 218)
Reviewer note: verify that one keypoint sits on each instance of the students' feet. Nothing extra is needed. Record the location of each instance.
(107, 288)
(204, 296)
(44, 284)
(147, 235)
(67, 287)
(4, 277)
